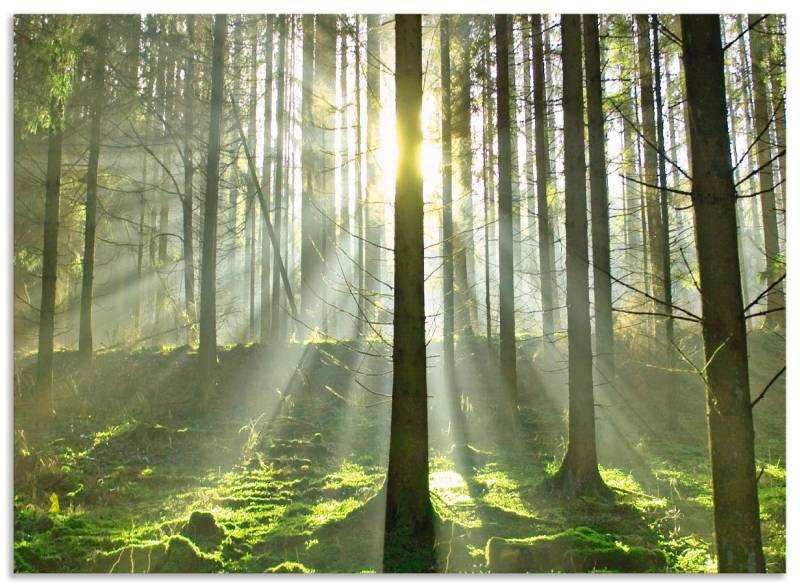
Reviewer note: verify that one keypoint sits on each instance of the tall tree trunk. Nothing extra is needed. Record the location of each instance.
(250, 217)
(579, 473)
(374, 200)
(508, 347)
(208, 286)
(669, 322)
(346, 169)
(311, 222)
(655, 225)
(447, 209)
(188, 179)
(266, 182)
(360, 208)
(47, 306)
(730, 418)
(276, 333)
(488, 184)
(774, 265)
(98, 97)
(543, 181)
(601, 251)
(325, 88)
(408, 539)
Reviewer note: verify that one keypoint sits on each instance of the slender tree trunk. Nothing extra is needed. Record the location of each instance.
(447, 209)
(311, 222)
(655, 223)
(345, 173)
(85, 346)
(360, 207)
(774, 265)
(250, 217)
(408, 539)
(488, 185)
(374, 201)
(543, 181)
(669, 322)
(188, 181)
(730, 418)
(579, 473)
(208, 287)
(47, 306)
(276, 333)
(601, 251)
(508, 347)
(266, 183)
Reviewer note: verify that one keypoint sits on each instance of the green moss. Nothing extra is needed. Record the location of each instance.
(289, 567)
(183, 556)
(575, 550)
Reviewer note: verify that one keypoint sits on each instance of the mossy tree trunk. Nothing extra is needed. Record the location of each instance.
(408, 541)
(736, 512)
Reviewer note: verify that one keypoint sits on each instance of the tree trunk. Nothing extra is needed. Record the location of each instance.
(730, 419)
(601, 254)
(655, 223)
(543, 181)
(774, 264)
(276, 333)
(508, 349)
(98, 90)
(374, 201)
(408, 539)
(578, 473)
(208, 287)
(447, 209)
(360, 208)
(188, 179)
(47, 306)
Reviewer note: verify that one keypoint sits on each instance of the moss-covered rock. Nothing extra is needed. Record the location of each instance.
(183, 556)
(577, 550)
(202, 530)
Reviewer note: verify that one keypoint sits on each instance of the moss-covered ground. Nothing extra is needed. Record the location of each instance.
(284, 471)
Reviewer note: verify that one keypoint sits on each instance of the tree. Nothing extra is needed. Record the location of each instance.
(85, 346)
(655, 224)
(207, 354)
(730, 419)
(447, 208)
(601, 255)
(508, 348)
(275, 333)
(188, 174)
(543, 181)
(408, 541)
(579, 473)
(776, 317)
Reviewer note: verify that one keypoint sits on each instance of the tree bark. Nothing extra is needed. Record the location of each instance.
(188, 180)
(85, 346)
(601, 252)
(447, 208)
(208, 287)
(774, 264)
(276, 333)
(508, 348)
(408, 539)
(730, 419)
(579, 472)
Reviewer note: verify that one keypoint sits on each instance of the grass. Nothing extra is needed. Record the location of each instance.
(286, 499)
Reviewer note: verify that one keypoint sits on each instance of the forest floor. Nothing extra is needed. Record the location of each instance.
(284, 472)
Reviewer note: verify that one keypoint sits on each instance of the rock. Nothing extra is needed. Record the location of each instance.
(202, 529)
(184, 557)
(577, 550)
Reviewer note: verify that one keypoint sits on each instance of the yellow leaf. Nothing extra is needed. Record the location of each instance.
(54, 507)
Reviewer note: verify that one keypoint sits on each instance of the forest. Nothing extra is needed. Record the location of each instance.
(398, 293)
